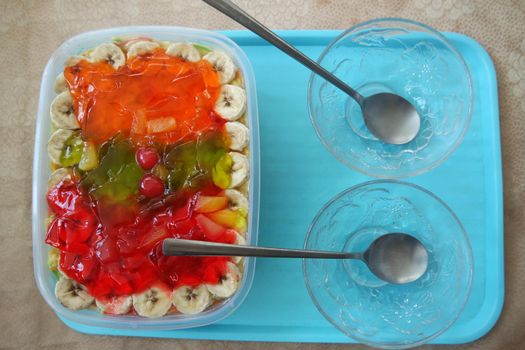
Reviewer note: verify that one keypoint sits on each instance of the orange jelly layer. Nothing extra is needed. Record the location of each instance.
(153, 96)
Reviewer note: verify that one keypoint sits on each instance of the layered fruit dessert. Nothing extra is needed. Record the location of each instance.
(150, 141)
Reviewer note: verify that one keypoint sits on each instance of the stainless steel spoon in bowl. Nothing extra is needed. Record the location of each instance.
(390, 117)
(395, 257)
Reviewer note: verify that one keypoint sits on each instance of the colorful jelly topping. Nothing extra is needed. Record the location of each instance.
(160, 171)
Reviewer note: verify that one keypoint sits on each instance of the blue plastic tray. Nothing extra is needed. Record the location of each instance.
(299, 176)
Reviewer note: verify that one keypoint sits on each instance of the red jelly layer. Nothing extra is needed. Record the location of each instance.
(125, 258)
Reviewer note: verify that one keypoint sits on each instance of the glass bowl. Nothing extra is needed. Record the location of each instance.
(366, 308)
(406, 58)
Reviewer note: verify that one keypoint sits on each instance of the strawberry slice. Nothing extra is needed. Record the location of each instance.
(208, 204)
(211, 230)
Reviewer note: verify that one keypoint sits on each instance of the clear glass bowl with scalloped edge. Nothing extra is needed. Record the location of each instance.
(403, 57)
(366, 308)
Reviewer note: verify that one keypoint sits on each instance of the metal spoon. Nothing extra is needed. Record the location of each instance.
(395, 257)
(388, 116)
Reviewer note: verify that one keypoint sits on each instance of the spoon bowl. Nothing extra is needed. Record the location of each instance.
(397, 258)
(391, 118)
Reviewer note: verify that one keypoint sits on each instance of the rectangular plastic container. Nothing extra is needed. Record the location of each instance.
(44, 277)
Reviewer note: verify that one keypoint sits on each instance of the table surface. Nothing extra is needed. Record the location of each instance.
(31, 30)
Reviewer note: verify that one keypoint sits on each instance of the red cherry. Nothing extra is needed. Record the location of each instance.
(151, 186)
(147, 158)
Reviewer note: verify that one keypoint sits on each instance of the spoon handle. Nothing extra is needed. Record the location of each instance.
(185, 247)
(238, 15)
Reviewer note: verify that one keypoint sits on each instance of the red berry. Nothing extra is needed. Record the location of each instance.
(147, 158)
(151, 186)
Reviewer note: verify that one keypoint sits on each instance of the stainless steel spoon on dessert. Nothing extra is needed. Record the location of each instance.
(395, 257)
(390, 117)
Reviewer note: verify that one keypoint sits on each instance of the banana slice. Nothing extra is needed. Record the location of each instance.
(141, 48)
(154, 302)
(118, 305)
(62, 114)
(231, 103)
(240, 169)
(191, 300)
(110, 53)
(58, 176)
(57, 144)
(164, 44)
(185, 51)
(237, 200)
(72, 294)
(223, 64)
(228, 283)
(238, 135)
(73, 60)
(60, 83)
(240, 241)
